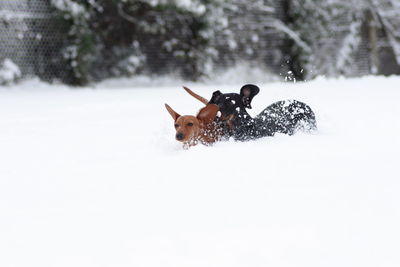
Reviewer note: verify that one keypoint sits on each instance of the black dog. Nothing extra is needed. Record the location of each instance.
(286, 116)
(233, 107)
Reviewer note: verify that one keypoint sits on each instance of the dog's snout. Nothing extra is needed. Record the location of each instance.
(179, 136)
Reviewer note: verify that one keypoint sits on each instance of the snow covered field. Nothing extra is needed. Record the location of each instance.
(94, 177)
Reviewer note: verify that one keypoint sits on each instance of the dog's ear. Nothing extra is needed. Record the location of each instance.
(174, 115)
(215, 97)
(208, 113)
(247, 92)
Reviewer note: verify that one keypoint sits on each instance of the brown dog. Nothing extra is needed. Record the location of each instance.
(191, 130)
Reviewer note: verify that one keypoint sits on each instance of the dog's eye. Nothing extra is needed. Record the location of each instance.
(190, 124)
(176, 125)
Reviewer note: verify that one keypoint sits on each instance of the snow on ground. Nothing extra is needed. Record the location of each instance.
(94, 177)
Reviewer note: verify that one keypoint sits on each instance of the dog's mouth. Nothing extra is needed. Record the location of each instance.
(180, 136)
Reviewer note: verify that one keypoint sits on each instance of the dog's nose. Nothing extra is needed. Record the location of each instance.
(179, 136)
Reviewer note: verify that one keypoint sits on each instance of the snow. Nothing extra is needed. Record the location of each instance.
(194, 6)
(9, 72)
(94, 177)
(69, 6)
(10, 15)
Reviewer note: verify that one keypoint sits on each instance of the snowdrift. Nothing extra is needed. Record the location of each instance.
(94, 177)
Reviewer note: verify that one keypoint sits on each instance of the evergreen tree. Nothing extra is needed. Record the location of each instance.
(114, 38)
(192, 39)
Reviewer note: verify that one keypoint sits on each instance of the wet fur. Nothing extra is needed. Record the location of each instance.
(285, 117)
(191, 130)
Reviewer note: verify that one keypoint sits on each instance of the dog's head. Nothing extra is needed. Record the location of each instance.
(189, 128)
(231, 103)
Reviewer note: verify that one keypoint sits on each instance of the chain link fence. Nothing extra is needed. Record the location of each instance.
(32, 38)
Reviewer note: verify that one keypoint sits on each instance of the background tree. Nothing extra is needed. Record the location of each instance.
(192, 39)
